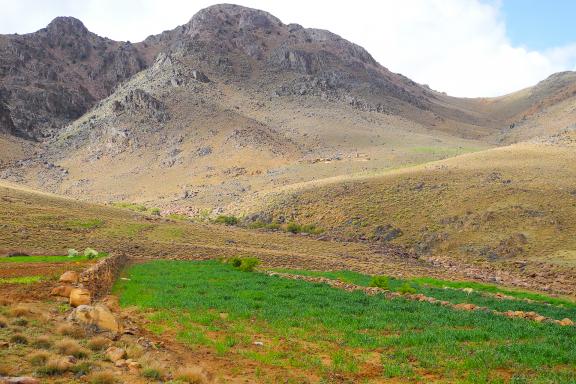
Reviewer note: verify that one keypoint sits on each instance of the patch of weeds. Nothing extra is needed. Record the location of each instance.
(73, 253)
(55, 366)
(19, 339)
(406, 288)
(380, 282)
(193, 375)
(71, 347)
(84, 224)
(43, 342)
(153, 373)
(21, 280)
(67, 329)
(343, 361)
(82, 368)
(226, 219)
(155, 211)
(20, 322)
(39, 358)
(307, 228)
(102, 378)
(98, 343)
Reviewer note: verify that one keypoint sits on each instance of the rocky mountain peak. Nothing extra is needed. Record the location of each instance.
(231, 16)
(66, 26)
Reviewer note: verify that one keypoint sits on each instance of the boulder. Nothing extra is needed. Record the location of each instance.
(62, 291)
(115, 354)
(98, 315)
(79, 296)
(465, 306)
(70, 277)
(112, 303)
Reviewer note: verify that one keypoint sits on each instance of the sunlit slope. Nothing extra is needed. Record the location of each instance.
(510, 203)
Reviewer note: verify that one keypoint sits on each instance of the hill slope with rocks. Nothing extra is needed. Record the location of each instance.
(233, 103)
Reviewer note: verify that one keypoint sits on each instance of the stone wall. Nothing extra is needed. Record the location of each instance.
(99, 278)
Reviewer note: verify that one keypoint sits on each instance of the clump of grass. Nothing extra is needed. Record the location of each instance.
(307, 228)
(193, 375)
(54, 366)
(245, 264)
(153, 373)
(20, 311)
(43, 342)
(20, 321)
(67, 329)
(3, 322)
(98, 343)
(71, 347)
(380, 282)
(102, 378)
(227, 220)
(155, 211)
(39, 358)
(134, 351)
(19, 339)
(406, 289)
(82, 368)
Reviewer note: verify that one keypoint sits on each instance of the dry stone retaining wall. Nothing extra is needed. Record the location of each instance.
(99, 278)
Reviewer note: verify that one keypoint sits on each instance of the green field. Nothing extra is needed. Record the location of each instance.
(313, 328)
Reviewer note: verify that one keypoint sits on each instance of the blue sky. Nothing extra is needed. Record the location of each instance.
(540, 24)
(470, 48)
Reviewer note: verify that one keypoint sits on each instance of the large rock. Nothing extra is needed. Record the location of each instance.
(79, 296)
(69, 277)
(62, 291)
(115, 354)
(19, 380)
(98, 315)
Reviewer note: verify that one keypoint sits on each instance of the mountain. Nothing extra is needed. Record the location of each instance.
(231, 104)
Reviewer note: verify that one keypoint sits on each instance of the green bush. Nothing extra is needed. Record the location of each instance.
(90, 253)
(73, 253)
(228, 220)
(236, 262)
(155, 211)
(294, 228)
(245, 264)
(380, 282)
(406, 288)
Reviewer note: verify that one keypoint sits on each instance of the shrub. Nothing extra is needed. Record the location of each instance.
(134, 351)
(82, 368)
(236, 262)
(248, 264)
(294, 228)
(102, 378)
(39, 358)
(90, 253)
(98, 343)
(406, 289)
(20, 321)
(155, 211)
(3, 322)
(380, 282)
(73, 253)
(19, 339)
(228, 220)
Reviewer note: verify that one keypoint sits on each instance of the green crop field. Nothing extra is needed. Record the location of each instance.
(313, 330)
(48, 259)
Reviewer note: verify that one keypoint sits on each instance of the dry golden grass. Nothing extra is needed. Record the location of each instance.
(134, 351)
(43, 341)
(19, 338)
(70, 347)
(98, 343)
(20, 311)
(55, 366)
(104, 377)
(67, 329)
(39, 357)
(193, 375)
(3, 322)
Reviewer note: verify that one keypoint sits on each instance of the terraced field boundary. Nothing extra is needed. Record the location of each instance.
(100, 277)
(419, 297)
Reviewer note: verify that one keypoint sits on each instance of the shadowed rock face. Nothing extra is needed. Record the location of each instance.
(53, 76)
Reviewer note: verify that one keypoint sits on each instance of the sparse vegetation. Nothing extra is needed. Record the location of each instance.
(226, 219)
(419, 338)
(102, 378)
(380, 282)
(43, 342)
(39, 358)
(98, 343)
(193, 375)
(19, 339)
(67, 329)
(90, 253)
(21, 280)
(73, 253)
(69, 347)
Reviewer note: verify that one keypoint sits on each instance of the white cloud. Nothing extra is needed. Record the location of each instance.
(457, 46)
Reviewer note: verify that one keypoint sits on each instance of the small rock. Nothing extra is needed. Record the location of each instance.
(121, 363)
(79, 296)
(566, 322)
(69, 277)
(4, 345)
(115, 354)
(465, 306)
(259, 343)
(134, 366)
(62, 291)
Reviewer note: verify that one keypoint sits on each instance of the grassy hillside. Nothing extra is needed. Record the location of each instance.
(510, 204)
